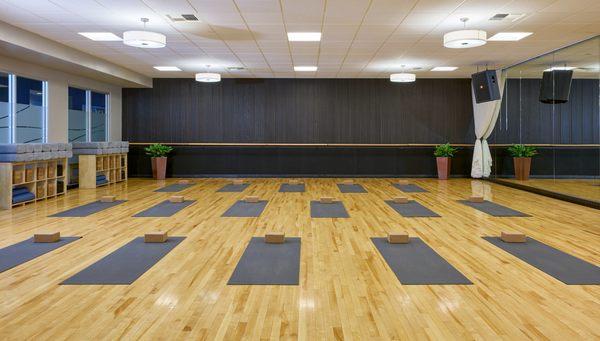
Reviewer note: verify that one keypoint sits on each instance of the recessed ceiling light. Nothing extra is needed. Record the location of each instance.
(510, 36)
(305, 68)
(563, 68)
(304, 36)
(167, 68)
(403, 77)
(444, 68)
(100, 36)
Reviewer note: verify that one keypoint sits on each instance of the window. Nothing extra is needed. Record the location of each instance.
(88, 115)
(77, 115)
(4, 118)
(98, 117)
(22, 109)
(30, 108)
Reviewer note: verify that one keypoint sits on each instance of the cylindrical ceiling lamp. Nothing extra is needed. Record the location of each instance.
(208, 77)
(403, 77)
(465, 39)
(144, 39)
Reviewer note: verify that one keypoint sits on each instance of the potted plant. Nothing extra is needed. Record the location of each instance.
(522, 159)
(158, 155)
(443, 154)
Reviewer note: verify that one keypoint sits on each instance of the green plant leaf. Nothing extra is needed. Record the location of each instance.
(158, 150)
(521, 150)
(444, 150)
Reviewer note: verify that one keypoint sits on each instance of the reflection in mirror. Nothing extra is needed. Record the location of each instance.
(547, 137)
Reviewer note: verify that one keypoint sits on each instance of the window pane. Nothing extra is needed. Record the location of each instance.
(30, 110)
(98, 116)
(4, 108)
(77, 115)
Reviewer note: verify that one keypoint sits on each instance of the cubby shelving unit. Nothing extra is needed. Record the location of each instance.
(113, 166)
(44, 178)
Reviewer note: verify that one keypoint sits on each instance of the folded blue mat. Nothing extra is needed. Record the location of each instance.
(100, 177)
(100, 182)
(20, 190)
(22, 197)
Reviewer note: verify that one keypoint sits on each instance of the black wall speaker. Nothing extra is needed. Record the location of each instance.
(555, 87)
(485, 86)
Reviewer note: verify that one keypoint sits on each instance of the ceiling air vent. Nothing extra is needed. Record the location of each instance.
(235, 68)
(507, 17)
(182, 17)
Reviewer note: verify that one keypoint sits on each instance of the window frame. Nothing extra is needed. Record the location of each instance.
(88, 111)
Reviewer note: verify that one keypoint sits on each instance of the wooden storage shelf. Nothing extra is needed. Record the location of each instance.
(40, 177)
(113, 166)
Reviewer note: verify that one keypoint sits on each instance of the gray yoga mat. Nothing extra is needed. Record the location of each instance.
(165, 209)
(126, 264)
(292, 188)
(410, 188)
(245, 209)
(333, 210)
(27, 250)
(233, 188)
(562, 266)
(354, 188)
(174, 188)
(494, 209)
(88, 209)
(268, 264)
(416, 263)
(412, 209)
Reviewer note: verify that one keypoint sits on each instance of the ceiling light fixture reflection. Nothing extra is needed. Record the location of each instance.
(562, 68)
(444, 68)
(208, 77)
(144, 39)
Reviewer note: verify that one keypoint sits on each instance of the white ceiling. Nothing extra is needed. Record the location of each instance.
(361, 38)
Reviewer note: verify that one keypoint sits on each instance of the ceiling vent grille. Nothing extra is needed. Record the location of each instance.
(182, 17)
(507, 17)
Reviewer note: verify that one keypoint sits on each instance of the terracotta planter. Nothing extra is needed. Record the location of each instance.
(443, 167)
(522, 167)
(159, 167)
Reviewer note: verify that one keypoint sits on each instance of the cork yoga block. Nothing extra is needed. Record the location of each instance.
(51, 237)
(476, 199)
(156, 237)
(177, 198)
(326, 200)
(295, 182)
(275, 237)
(183, 182)
(398, 238)
(512, 237)
(402, 182)
(251, 199)
(400, 200)
(108, 198)
(348, 182)
(238, 182)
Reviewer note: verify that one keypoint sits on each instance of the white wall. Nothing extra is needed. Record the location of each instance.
(58, 101)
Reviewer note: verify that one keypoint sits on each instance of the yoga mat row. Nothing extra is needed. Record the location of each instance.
(414, 263)
(344, 188)
(241, 208)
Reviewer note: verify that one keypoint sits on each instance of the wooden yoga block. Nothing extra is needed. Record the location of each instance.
(348, 182)
(183, 182)
(51, 237)
(177, 198)
(510, 237)
(398, 238)
(156, 237)
(108, 198)
(402, 182)
(251, 199)
(476, 199)
(238, 182)
(275, 237)
(295, 182)
(326, 200)
(400, 200)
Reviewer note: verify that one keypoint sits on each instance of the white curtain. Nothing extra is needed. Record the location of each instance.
(485, 116)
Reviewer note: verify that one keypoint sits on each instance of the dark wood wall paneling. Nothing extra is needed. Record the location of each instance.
(300, 111)
(524, 119)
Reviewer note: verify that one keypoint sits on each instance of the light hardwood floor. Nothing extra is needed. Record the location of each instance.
(346, 290)
(582, 188)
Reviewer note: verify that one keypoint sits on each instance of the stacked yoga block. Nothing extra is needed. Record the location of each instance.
(100, 163)
(32, 171)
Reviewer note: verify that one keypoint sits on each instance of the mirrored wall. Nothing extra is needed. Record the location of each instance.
(547, 137)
